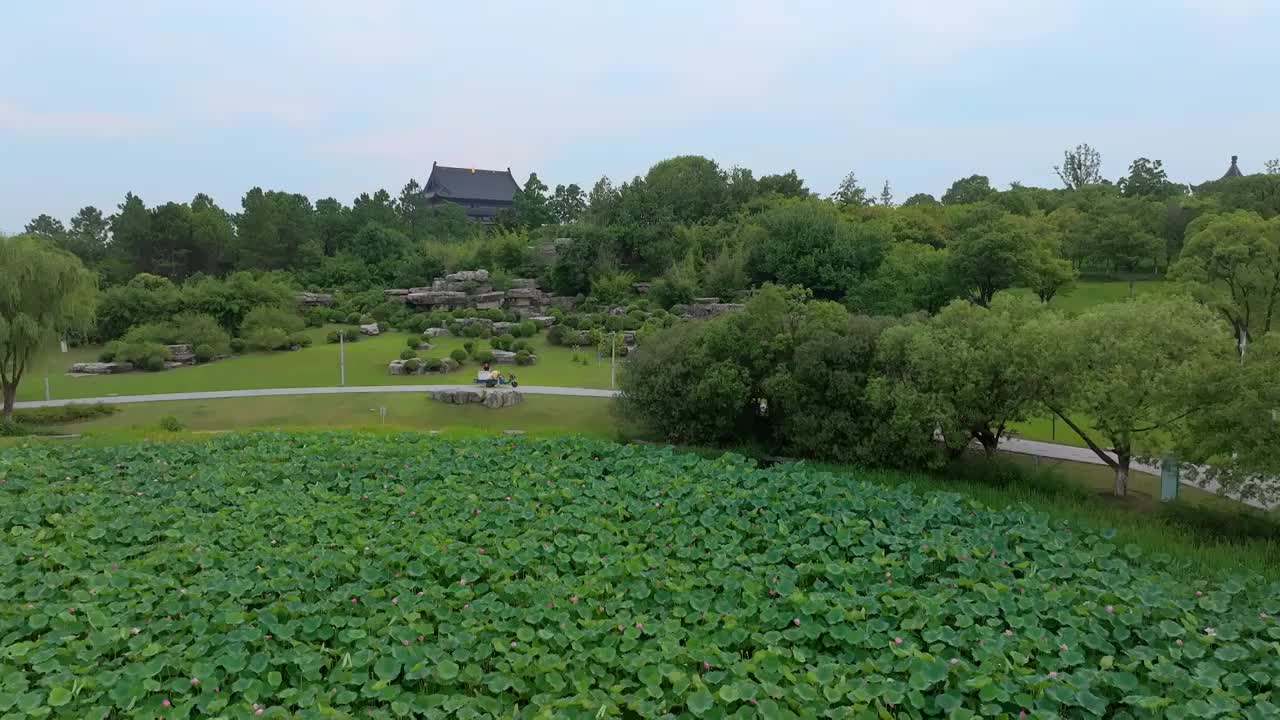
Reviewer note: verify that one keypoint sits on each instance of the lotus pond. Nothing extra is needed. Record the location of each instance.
(343, 575)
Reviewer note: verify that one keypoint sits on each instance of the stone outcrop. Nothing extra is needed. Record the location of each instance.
(313, 299)
(699, 311)
(473, 289)
(502, 328)
(489, 300)
(435, 332)
(491, 398)
(504, 357)
(437, 299)
(100, 368)
(370, 329)
(545, 321)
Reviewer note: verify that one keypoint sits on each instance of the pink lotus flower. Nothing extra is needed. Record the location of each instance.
(135, 631)
(1210, 632)
(404, 642)
(1022, 713)
(259, 711)
(1053, 675)
(462, 581)
(481, 550)
(508, 497)
(1110, 609)
(795, 621)
(195, 681)
(1063, 647)
(1198, 593)
(639, 626)
(706, 666)
(513, 643)
(573, 599)
(395, 601)
(72, 611)
(421, 638)
(165, 702)
(1008, 632)
(955, 661)
(1178, 642)
(897, 641)
(354, 601)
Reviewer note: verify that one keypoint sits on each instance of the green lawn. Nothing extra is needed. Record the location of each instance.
(538, 414)
(366, 364)
(1088, 293)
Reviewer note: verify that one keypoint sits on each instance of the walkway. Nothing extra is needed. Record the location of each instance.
(1024, 447)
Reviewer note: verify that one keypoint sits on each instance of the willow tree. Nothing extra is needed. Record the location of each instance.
(44, 292)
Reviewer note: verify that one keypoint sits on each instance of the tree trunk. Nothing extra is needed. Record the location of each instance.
(1122, 474)
(989, 442)
(10, 393)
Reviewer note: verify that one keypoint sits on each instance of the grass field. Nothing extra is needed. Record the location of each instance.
(1088, 293)
(366, 364)
(540, 414)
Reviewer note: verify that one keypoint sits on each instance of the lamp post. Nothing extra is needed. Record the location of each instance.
(613, 357)
(342, 358)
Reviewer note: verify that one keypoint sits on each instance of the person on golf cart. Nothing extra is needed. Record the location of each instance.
(485, 366)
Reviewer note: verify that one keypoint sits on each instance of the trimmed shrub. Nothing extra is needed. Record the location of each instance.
(408, 354)
(482, 356)
(238, 345)
(204, 353)
(437, 319)
(459, 356)
(528, 328)
(350, 334)
(267, 338)
(454, 327)
(524, 357)
(555, 334)
(494, 314)
(469, 346)
(353, 318)
(475, 330)
(299, 340)
(316, 316)
(433, 364)
(519, 345)
(108, 352)
(169, 423)
(413, 364)
(270, 316)
(502, 343)
(412, 342)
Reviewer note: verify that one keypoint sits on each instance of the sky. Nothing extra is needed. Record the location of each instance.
(332, 98)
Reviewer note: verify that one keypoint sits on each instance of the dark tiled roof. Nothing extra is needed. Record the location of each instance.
(471, 184)
(1234, 170)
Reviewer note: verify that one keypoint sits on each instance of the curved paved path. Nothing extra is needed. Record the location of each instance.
(1052, 451)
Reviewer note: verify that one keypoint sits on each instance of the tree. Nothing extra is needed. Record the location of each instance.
(1231, 264)
(1050, 274)
(921, 200)
(333, 224)
(377, 208)
(886, 196)
(912, 278)
(787, 184)
(969, 372)
(1133, 369)
(970, 190)
(1231, 440)
(376, 244)
(277, 230)
(410, 208)
(850, 193)
(131, 232)
(529, 206)
(602, 199)
(1147, 178)
(47, 227)
(44, 293)
(1272, 167)
(808, 244)
(1080, 167)
(567, 204)
(743, 186)
(90, 232)
(992, 255)
(692, 187)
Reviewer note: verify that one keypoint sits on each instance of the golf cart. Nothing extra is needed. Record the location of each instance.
(490, 378)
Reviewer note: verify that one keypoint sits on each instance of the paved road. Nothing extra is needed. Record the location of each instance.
(1024, 447)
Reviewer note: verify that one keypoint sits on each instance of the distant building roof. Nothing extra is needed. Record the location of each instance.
(1234, 170)
(455, 183)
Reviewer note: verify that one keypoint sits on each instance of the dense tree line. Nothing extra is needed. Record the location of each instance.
(797, 374)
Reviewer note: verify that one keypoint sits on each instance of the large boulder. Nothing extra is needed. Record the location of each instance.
(502, 328)
(181, 353)
(485, 322)
(370, 329)
(395, 291)
(545, 321)
(435, 332)
(524, 295)
(524, 284)
(505, 357)
(448, 365)
(491, 398)
(437, 298)
(468, 276)
(100, 368)
(313, 299)
(396, 367)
